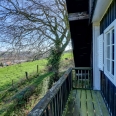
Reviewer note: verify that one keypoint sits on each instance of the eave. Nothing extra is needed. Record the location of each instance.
(100, 9)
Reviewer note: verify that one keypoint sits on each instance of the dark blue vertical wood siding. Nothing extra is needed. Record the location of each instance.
(109, 17)
(108, 90)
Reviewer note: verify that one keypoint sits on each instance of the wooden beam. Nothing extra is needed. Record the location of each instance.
(78, 16)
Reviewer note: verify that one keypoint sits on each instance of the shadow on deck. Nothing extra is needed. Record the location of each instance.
(86, 103)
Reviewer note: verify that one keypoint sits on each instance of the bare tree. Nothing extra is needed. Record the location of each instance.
(32, 24)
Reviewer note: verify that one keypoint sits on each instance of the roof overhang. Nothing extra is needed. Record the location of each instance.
(100, 9)
(75, 6)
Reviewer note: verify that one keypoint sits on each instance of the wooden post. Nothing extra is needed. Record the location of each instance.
(26, 73)
(37, 68)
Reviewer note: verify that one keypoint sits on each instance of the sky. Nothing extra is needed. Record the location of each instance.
(2, 48)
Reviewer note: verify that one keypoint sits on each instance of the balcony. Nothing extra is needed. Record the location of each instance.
(72, 95)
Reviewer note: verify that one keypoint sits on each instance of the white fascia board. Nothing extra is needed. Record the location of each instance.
(100, 9)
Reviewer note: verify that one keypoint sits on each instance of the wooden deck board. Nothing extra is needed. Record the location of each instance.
(90, 109)
(102, 105)
(76, 110)
(87, 103)
(98, 110)
(83, 103)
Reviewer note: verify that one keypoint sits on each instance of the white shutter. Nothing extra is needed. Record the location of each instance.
(100, 51)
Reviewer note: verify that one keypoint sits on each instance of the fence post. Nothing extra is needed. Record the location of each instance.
(26, 73)
(37, 68)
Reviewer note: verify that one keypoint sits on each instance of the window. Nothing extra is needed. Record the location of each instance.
(110, 52)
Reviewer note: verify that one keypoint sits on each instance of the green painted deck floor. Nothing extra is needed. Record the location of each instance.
(86, 103)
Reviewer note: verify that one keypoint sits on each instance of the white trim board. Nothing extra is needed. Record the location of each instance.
(96, 72)
(100, 9)
(100, 51)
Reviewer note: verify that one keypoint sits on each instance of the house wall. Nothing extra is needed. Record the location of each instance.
(108, 89)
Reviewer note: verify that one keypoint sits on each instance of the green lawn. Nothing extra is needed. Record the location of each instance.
(17, 72)
(67, 55)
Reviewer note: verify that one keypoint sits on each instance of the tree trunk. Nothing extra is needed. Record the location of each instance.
(54, 62)
(57, 66)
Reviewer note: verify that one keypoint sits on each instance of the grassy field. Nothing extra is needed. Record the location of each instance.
(17, 72)
(10, 93)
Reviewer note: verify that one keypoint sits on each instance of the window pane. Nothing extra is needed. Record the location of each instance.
(112, 52)
(112, 67)
(108, 65)
(108, 52)
(113, 36)
(108, 39)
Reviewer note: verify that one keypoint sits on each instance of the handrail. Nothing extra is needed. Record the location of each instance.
(64, 81)
(82, 68)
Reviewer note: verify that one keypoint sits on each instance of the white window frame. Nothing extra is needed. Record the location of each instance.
(106, 31)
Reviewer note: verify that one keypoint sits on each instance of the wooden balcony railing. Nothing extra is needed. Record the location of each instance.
(53, 103)
(82, 78)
